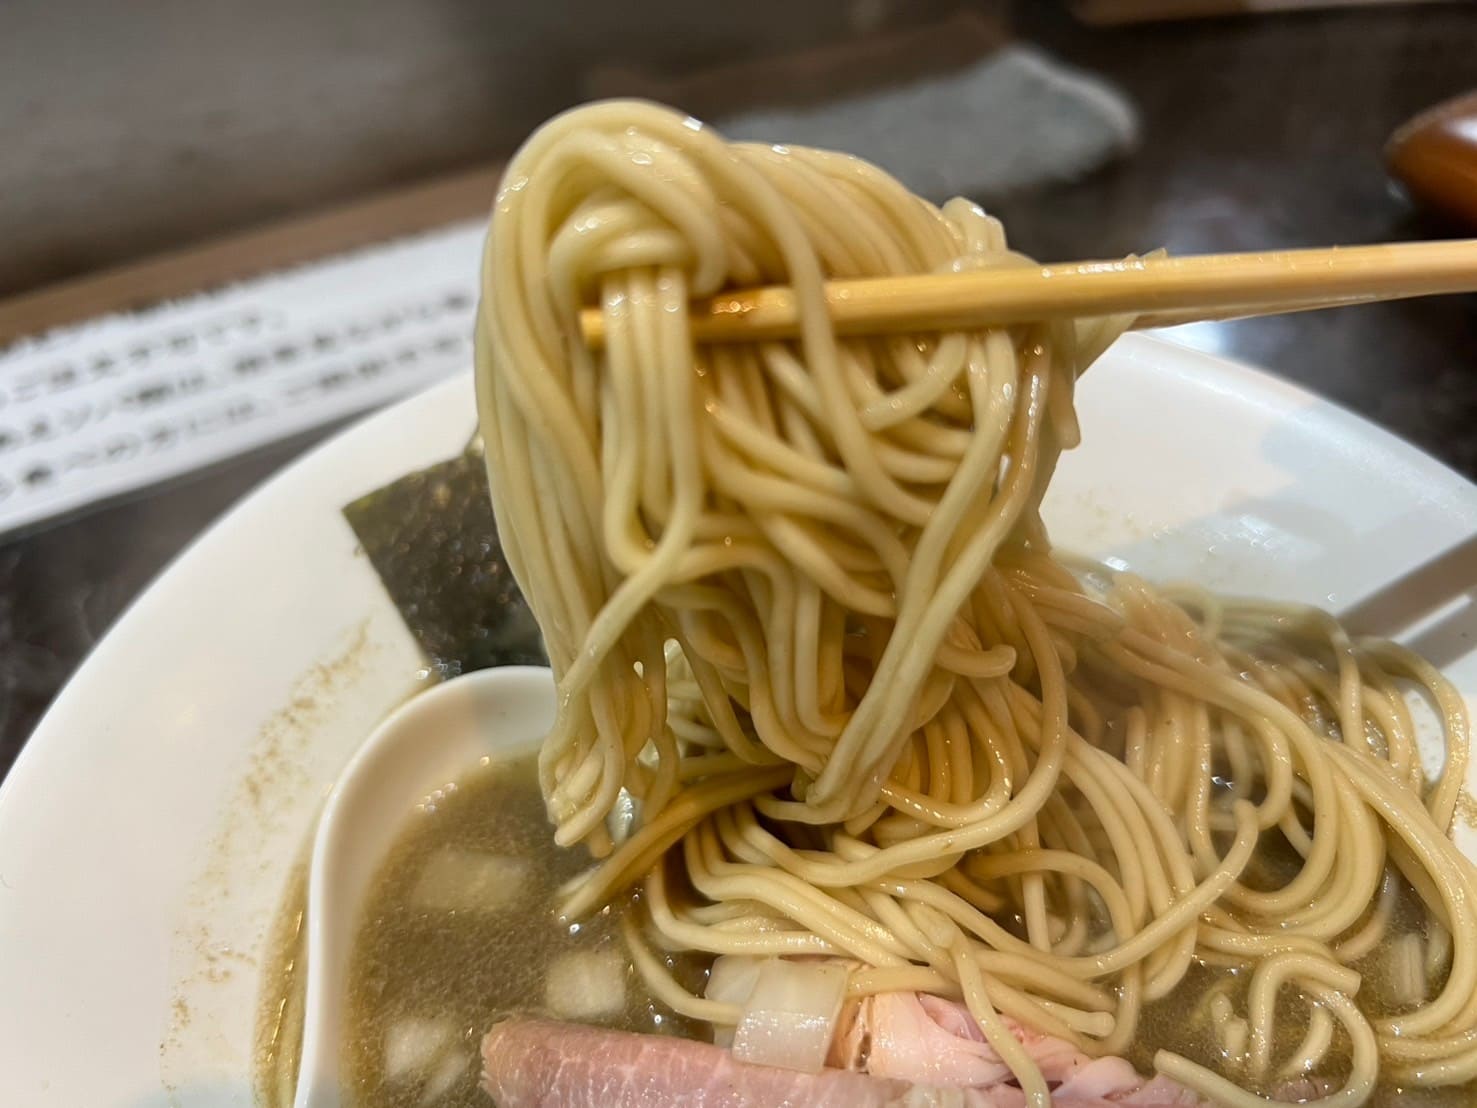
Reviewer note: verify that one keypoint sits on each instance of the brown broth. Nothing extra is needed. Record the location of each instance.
(1181, 1022)
(473, 968)
(279, 1020)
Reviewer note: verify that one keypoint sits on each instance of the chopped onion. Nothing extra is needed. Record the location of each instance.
(1220, 1008)
(791, 1014)
(413, 1044)
(1405, 965)
(443, 1079)
(731, 981)
(470, 881)
(586, 985)
(732, 978)
(1234, 1033)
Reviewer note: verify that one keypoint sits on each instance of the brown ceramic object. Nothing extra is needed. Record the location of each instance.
(1435, 157)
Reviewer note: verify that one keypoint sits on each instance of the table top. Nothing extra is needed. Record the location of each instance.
(1256, 133)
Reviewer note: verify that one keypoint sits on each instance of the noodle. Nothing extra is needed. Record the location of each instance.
(803, 612)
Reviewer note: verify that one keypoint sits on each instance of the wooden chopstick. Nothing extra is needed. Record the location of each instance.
(1161, 289)
(1149, 320)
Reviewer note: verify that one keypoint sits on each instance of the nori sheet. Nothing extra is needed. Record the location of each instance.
(432, 539)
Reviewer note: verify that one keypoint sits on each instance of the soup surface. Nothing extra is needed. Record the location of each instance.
(461, 930)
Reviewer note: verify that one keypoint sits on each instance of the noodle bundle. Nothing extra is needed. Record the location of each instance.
(825, 688)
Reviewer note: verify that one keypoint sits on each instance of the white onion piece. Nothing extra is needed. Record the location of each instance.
(1405, 965)
(470, 881)
(412, 1044)
(732, 977)
(791, 1015)
(731, 981)
(586, 985)
(443, 1078)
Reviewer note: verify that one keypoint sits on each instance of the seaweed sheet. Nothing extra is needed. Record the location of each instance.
(433, 541)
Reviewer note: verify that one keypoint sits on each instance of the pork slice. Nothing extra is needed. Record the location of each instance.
(919, 1038)
(905, 1036)
(535, 1063)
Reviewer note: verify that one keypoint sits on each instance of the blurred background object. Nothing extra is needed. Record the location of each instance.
(1144, 11)
(1435, 157)
(162, 149)
(104, 408)
(132, 128)
(950, 108)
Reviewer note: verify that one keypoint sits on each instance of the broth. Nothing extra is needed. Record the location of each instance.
(1182, 1021)
(279, 1018)
(455, 972)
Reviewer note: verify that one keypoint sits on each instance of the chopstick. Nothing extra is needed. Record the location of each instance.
(1161, 290)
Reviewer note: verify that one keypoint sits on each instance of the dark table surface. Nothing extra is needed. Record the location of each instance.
(1256, 133)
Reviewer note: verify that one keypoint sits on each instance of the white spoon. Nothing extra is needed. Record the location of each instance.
(433, 739)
